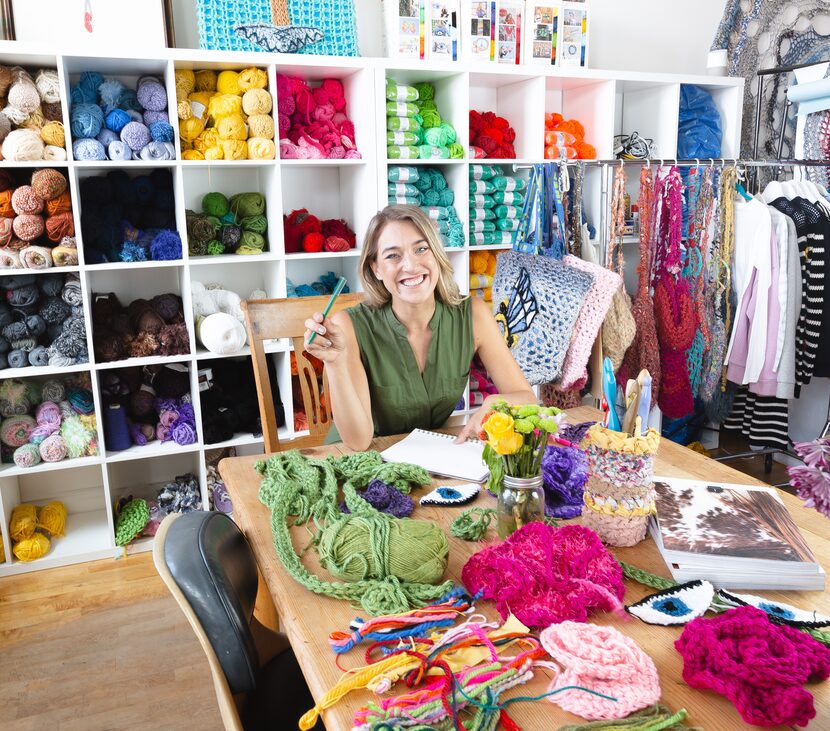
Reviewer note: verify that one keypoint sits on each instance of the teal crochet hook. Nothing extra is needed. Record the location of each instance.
(338, 288)
(609, 389)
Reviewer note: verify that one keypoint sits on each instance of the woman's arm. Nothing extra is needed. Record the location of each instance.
(508, 378)
(336, 345)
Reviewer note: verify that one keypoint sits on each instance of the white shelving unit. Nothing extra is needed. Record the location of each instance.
(606, 102)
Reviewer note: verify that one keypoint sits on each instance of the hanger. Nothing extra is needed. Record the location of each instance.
(739, 184)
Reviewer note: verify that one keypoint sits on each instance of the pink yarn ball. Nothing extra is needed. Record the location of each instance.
(305, 102)
(28, 227)
(25, 200)
(337, 152)
(353, 155)
(320, 95)
(284, 124)
(6, 231)
(285, 105)
(336, 243)
(334, 89)
(338, 119)
(323, 112)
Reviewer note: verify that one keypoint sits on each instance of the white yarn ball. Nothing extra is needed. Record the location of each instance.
(221, 333)
(48, 85)
(17, 116)
(54, 153)
(22, 145)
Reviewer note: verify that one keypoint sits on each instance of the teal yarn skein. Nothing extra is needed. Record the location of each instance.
(357, 545)
(86, 120)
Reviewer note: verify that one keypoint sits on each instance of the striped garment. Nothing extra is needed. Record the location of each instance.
(764, 420)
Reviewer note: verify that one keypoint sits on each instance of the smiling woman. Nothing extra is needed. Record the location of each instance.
(401, 359)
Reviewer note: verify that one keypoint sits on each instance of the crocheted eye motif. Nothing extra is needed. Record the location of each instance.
(778, 612)
(678, 605)
(455, 495)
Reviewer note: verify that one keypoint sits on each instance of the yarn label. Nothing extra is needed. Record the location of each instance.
(403, 173)
(433, 212)
(510, 197)
(478, 238)
(198, 109)
(401, 110)
(477, 226)
(478, 186)
(478, 214)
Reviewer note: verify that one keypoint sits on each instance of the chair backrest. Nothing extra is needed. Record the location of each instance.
(285, 318)
(207, 564)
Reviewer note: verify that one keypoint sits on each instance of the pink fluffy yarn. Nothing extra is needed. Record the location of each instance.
(604, 660)
(758, 665)
(545, 575)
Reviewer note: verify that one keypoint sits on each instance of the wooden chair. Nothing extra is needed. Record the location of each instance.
(285, 318)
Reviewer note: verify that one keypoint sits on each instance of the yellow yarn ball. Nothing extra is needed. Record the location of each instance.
(52, 134)
(186, 144)
(52, 518)
(23, 522)
(184, 110)
(185, 82)
(199, 102)
(261, 125)
(89, 421)
(232, 128)
(224, 105)
(214, 153)
(30, 549)
(234, 149)
(34, 121)
(252, 78)
(206, 80)
(256, 101)
(207, 138)
(228, 83)
(261, 148)
(193, 155)
(190, 129)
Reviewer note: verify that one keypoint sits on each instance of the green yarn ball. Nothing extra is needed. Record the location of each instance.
(430, 198)
(215, 248)
(431, 119)
(252, 240)
(445, 198)
(440, 136)
(248, 204)
(258, 224)
(215, 204)
(426, 91)
(412, 550)
(456, 151)
(131, 521)
(424, 105)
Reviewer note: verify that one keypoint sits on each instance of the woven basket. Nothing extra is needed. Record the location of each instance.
(619, 495)
(335, 18)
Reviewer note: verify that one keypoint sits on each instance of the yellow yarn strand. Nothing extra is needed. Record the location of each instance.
(23, 522)
(354, 680)
(52, 518)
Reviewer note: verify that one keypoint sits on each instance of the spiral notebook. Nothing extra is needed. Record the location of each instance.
(438, 454)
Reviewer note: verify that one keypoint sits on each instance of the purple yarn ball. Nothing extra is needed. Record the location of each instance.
(88, 149)
(386, 499)
(152, 95)
(117, 119)
(565, 471)
(85, 120)
(118, 150)
(105, 136)
(136, 116)
(135, 135)
(166, 246)
(183, 434)
(161, 132)
(150, 117)
(574, 433)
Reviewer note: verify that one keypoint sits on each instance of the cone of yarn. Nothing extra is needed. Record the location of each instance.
(116, 428)
(52, 518)
(53, 448)
(23, 522)
(619, 495)
(32, 548)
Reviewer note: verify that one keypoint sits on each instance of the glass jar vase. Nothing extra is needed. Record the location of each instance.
(521, 500)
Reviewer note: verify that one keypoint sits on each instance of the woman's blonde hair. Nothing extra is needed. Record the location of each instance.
(376, 293)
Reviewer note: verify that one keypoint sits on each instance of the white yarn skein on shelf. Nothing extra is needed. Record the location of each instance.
(221, 333)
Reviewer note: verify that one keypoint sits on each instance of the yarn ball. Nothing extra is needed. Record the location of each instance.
(116, 120)
(86, 120)
(54, 153)
(224, 105)
(161, 131)
(215, 204)
(335, 243)
(247, 204)
(256, 101)
(231, 236)
(53, 448)
(27, 456)
(52, 390)
(228, 82)
(261, 148)
(5, 126)
(256, 224)
(52, 112)
(49, 184)
(234, 149)
(23, 522)
(6, 231)
(565, 472)
(252, 78)
(88, 149)
(418, 550)
(60, 226)
(52, 518)
(131, 521)
(168, 306)
(151, 95)
(25, 200)
(23, 145)
(152, 117)
(23, 94)
(135, 135)
(205, 80)
(48, 85)
(261, 125)
(31, 549)
(52, 133)
(221, 333)
(28, 227)
(313, 243)
(15, 431)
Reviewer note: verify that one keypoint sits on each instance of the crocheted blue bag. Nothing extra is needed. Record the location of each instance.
(218, 20)
(536, 300)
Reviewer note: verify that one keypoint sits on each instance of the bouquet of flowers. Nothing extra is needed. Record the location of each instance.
(812, 480)
(515, 439)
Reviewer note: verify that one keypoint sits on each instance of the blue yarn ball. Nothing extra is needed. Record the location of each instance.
(129, 100)
(118, 150)
(85, 120)
(135, 116)
(166, 246)
(150, 117)
(135, 135)
(88, 149)
(105, 136)
(133, 251)
(151, 94)
(143, 189)
(110, 92)
(86, 90)
(158, 151)
(117, 119)
(161, 132)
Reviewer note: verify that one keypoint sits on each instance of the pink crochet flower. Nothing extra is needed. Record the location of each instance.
(544, 575)
(758, 665)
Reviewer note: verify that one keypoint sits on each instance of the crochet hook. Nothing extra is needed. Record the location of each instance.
(643, 410)
(338, 288)
(609, 389)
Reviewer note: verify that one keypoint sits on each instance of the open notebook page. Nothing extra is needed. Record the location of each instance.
(437, 453)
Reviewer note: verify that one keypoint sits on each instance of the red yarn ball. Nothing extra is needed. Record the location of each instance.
(25, 200)
(59, 226)
(335, 243)
(313, 243)
(28, 227)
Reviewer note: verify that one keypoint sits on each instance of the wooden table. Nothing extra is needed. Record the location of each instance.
(308, 618)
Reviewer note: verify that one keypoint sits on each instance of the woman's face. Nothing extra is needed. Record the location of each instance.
(405, 263)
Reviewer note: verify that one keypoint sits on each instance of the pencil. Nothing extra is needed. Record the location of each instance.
(338, 288)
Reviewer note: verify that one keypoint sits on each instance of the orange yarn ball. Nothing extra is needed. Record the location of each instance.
(61, 204)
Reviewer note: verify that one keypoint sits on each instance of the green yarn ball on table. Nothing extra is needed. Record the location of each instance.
(353, 549)
(215, 204)
(131, 521)
(248, 204)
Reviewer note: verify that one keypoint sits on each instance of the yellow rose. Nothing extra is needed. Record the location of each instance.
(508, 444)
(498, 425)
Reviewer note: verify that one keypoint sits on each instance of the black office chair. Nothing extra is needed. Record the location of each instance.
(208, 566)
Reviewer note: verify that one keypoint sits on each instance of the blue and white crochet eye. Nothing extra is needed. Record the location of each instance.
(677, 605)
(451, 495)
(777, 611)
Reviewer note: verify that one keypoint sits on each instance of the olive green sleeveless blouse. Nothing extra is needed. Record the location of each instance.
(403, 398)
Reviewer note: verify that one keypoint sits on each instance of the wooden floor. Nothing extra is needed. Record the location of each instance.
(100, 646)
(103, 647)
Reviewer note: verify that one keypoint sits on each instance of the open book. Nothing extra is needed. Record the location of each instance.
(438, 454)
(736, 536)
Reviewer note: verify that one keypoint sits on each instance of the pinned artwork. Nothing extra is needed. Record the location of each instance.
(677, 605)
(451, 494)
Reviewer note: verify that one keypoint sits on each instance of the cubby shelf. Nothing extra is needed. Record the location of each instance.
(606, 102)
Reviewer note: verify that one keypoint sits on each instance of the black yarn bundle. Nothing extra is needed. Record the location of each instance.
(229, 403)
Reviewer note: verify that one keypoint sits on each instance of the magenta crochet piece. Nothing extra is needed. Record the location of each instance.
(545, 575)
(758, 665)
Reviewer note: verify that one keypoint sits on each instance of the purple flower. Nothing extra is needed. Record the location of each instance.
(815, 453)
(162, 433)
(812, 485)
(565, 471)
(137, 435)
(183, 434)
(168, 417)
(166, 404)
(186, 412)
